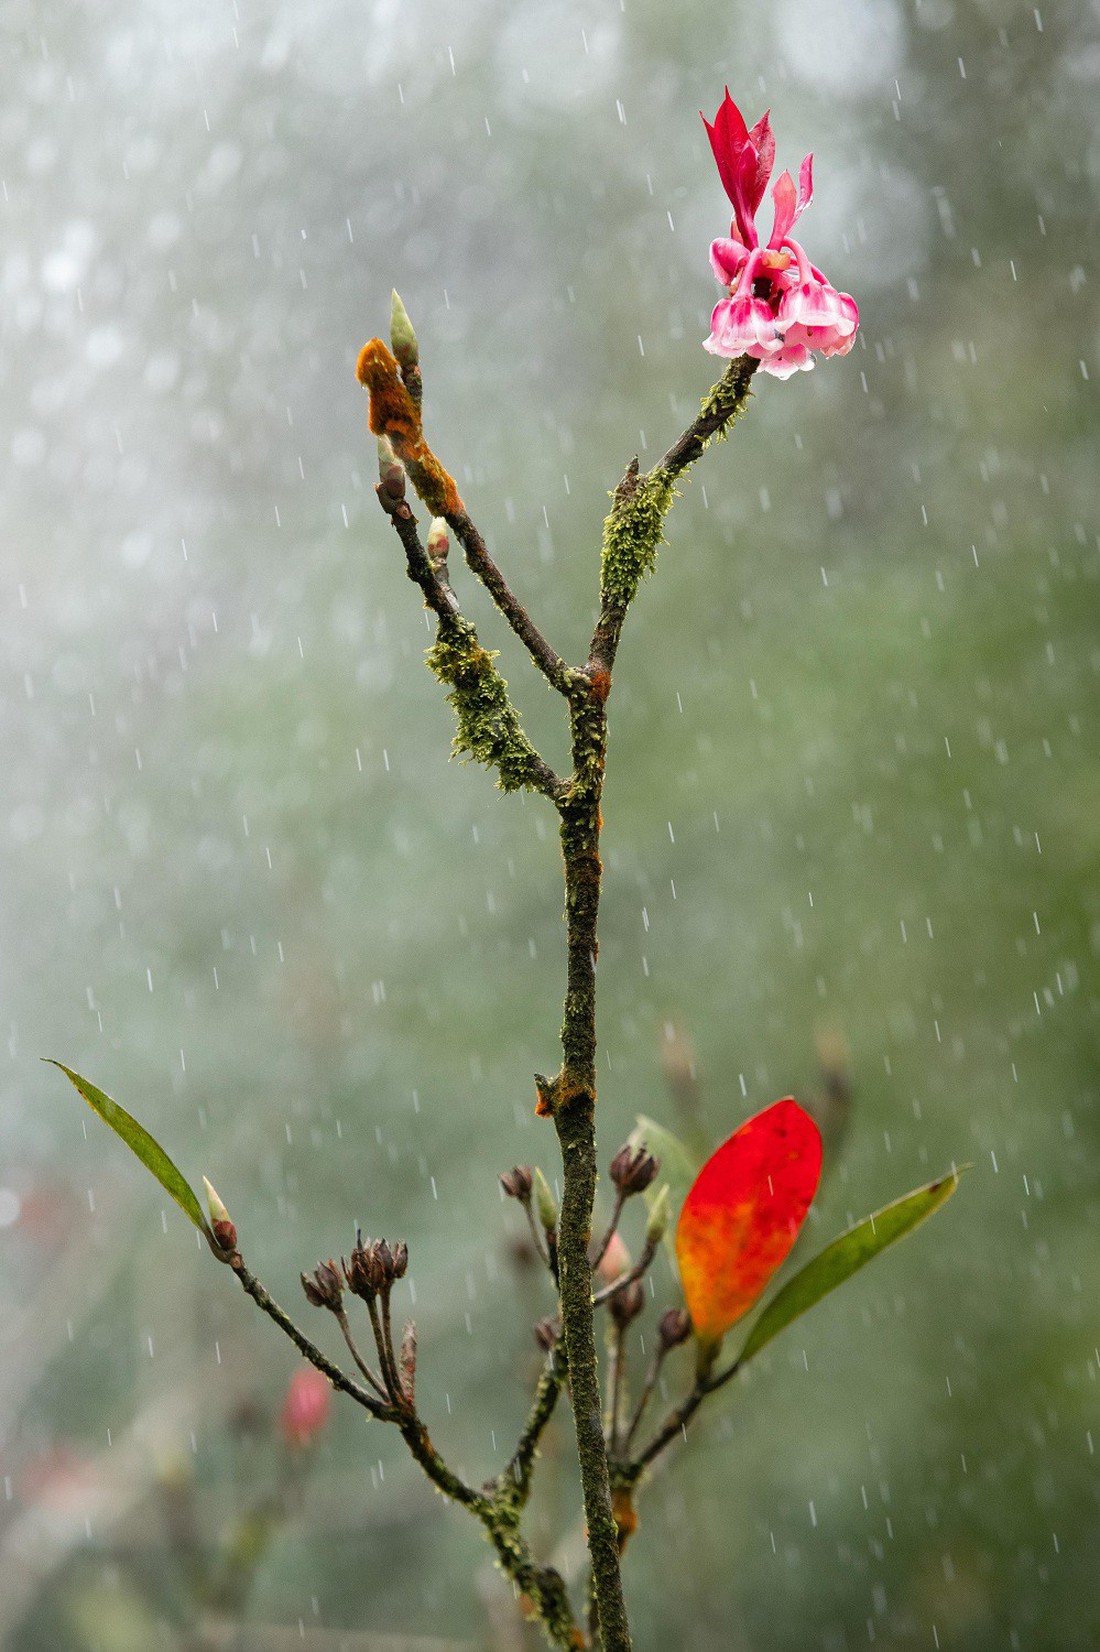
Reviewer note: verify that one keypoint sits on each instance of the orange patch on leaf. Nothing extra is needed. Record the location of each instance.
(743, 1214)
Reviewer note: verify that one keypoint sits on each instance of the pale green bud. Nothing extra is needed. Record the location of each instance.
(391, 472)
(439, 539)
(658, 1218)
(221, 1223)
(545, 1203)
(402, 338)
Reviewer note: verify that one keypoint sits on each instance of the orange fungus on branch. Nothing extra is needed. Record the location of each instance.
(743, 1214)
(395, 414)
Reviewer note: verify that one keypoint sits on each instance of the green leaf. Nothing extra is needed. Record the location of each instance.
(141, 1143)
(844, 1257)
(679, 1166)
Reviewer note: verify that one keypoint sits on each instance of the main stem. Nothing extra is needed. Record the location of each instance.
(574, 1102)
(631, 534)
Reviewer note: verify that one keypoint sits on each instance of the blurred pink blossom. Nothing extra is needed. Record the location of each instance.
(306, 1407)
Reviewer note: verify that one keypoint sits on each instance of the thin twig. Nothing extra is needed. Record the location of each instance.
(556, 671)
(648, 1386)
(649, 1251)
(615, 1383)
(537, 1237)
(601, 1248)
(385, 1355)
(338, 1378)
(441, 599)
(678, 1419)
(520, 1469)
(342, 1321)
(655, 488)
(724, 403)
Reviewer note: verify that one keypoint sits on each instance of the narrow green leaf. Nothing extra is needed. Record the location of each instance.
(141, 1143)
(844, 1257)
(679, 1167)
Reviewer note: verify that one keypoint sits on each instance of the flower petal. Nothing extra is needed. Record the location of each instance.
(727, 259)
(792, 358)
(745, 1207)
(739, 326)
(805, 185)
(786, 209)
(762, 139)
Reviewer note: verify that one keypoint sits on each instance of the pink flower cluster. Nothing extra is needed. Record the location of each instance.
(779, 308)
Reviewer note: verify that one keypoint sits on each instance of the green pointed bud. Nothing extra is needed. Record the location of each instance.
(439, 539)
(221, 1223)
(658, 1218)
(545, 1203)
(402, 338)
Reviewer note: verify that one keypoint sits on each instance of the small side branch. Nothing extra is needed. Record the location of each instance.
(640, 503)
(676, 1422)
(489, 729)
(338, 1378)
(516, 1479)
(498, 1513)
(556, 671)
(395, 414)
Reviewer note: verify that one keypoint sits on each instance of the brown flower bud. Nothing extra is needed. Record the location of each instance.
(547, 1332)
(400, 1258)
(366, 1272)
(673, 1327)
(632, 1169)
(518, 1182)
(323, 1287)
(385, 1260)
(627, 1304)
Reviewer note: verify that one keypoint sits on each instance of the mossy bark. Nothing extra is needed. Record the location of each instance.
(574, 1103)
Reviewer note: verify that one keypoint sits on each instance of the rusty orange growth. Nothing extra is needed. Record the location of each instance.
(601, 682)
(395, 414)
(626, 1518)
(557, 1092)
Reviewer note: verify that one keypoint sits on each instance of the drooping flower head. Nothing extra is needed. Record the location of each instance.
(779, 307)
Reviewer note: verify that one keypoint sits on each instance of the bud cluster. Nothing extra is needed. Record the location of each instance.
(374, 1266)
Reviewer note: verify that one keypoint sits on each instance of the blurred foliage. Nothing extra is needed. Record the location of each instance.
(852, 786)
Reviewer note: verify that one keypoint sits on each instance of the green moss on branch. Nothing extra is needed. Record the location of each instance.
(489, 729)
(632, 532)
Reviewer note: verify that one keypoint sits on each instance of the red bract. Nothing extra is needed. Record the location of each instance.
(306, 1407)
(742, 1215)
(779, 307)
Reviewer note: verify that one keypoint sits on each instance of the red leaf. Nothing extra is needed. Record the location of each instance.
(743, 1213)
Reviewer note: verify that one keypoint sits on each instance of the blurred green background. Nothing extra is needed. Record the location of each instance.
(853, 790)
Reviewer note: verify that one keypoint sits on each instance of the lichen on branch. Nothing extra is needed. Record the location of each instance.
(632, 532)
(488, 726)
